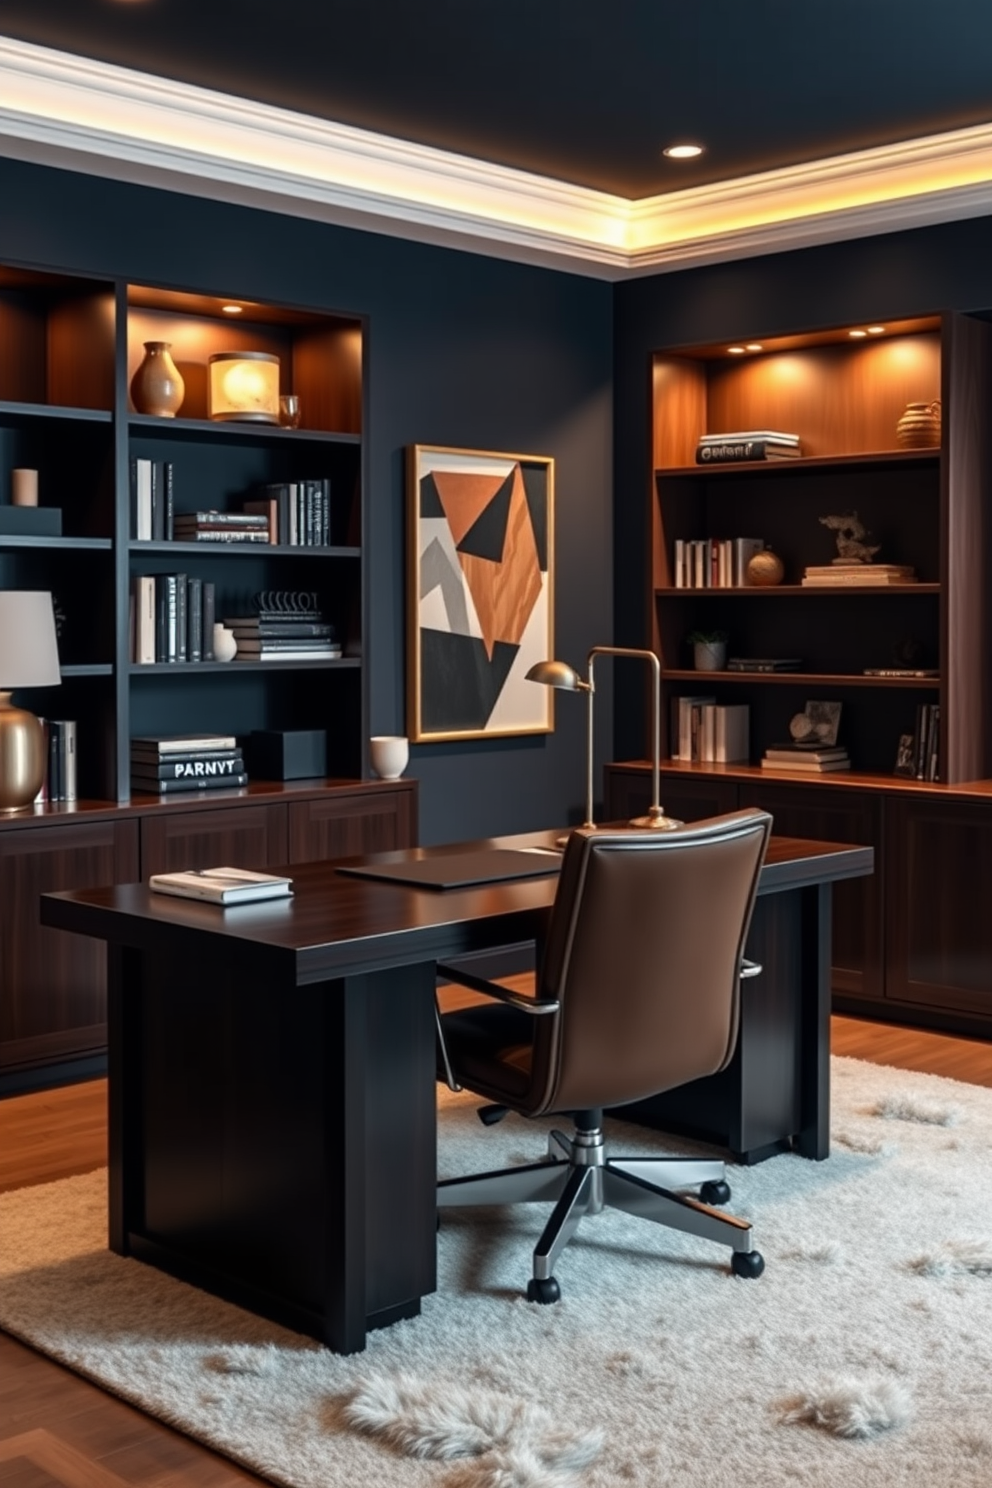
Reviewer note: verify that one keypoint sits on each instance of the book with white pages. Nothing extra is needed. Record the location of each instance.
(222, 885)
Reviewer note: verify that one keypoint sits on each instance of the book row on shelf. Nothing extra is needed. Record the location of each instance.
(287, 513)
(174, 619)
(714, 563)
(707, 732)
(60, 776)
(918, 757)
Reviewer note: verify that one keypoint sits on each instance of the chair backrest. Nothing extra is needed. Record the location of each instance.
(643, 952)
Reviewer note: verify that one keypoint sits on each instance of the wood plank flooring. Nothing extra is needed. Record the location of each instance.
(58, 1431)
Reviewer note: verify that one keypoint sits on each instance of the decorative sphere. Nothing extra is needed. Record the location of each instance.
(765, 569)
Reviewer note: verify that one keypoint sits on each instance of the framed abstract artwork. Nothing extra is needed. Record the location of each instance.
(480, 591)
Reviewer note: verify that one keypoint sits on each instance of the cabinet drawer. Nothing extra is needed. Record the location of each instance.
(378, 820)
(236, 836)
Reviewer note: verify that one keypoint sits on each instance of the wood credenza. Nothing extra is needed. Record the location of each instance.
(913, 943)
(53, 985)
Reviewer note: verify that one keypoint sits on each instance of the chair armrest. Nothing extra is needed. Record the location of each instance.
(532, 1005)
(750, 969)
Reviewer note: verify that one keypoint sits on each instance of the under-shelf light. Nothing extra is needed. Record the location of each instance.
(876, 330)
(857, 335)
(736, 350)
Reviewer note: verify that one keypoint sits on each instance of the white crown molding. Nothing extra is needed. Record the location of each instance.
(92, 116)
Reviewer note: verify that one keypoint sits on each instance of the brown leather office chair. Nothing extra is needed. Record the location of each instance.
(638, 992)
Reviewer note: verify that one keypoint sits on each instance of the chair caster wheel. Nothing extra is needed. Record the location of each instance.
(490, 1115)
(748, 1263)
(547, 1290)
(717, 1192)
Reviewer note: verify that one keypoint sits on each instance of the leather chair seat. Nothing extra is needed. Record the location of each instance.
(493, 1049)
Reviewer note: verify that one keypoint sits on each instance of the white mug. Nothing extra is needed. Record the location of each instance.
(390, 754)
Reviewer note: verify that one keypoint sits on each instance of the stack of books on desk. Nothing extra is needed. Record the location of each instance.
(749, 444)
(187, 762)
(844, 574)
(222, 527)
(809, 760)
(222, 885)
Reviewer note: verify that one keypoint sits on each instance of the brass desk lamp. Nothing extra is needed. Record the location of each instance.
(559, 674)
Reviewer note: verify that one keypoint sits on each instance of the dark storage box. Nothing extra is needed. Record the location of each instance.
(280, 754)
(31, 521)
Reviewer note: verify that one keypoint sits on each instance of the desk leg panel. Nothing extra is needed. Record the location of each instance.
(125, 1148)
(814, 1121)
(284, 1136)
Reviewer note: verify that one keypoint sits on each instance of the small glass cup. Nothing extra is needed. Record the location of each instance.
(289, 411)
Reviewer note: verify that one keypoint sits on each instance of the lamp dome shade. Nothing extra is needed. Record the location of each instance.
(556, 674)
(29, 651)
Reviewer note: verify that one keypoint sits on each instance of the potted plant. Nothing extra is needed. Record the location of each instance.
(709, 650)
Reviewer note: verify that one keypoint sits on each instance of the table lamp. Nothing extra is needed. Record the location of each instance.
(29, 657)
(559, 674)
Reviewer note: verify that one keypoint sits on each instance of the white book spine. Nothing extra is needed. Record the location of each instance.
(144, 619)
(679, 563)
(143, 514)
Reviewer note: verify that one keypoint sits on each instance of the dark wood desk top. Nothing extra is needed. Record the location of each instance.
(336, 924)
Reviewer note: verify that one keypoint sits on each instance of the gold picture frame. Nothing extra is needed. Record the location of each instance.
(480, 592)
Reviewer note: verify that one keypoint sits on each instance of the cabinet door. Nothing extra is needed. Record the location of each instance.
(235, 836)
(938, 926)
(832, 814)
(343, 826)
(53, 985)
(690, 797)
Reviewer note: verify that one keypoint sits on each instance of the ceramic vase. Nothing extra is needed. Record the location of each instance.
(389, 754)
(157, 386)
(225, 643)
(919, 427)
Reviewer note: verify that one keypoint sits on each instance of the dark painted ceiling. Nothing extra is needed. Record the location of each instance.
(585, 90)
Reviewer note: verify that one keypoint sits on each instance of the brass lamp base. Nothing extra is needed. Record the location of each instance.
(22, 756)
(657, 821)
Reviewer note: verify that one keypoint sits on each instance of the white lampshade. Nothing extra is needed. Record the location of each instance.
(29, 650)
(244, 385)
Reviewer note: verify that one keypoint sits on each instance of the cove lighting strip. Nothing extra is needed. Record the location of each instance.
(80, 114)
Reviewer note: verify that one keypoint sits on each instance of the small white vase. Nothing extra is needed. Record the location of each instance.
(225, 643)
(389, 754)
(710, 656)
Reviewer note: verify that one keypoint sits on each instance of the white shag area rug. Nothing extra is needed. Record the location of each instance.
(863, 1356)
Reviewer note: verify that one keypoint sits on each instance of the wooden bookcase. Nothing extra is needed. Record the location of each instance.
(68, 349)
(931, 508)
(926, 507)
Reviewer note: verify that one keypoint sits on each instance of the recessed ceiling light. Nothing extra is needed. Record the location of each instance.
(231, 309)
(754, 346)
(683, 152)
(857, 335)
(876, 330)
(736, 350)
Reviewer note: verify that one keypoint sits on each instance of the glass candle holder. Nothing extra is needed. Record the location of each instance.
(289, 411)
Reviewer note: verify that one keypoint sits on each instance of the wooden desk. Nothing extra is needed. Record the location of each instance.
(271, 1072)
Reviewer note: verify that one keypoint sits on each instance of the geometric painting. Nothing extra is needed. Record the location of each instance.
(480, 542)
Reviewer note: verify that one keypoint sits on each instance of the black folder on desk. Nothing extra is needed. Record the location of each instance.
(462, 870)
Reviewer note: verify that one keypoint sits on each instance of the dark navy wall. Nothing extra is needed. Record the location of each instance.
(464, 350)
(870, 279)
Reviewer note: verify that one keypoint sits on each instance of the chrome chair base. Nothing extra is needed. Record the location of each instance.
(580, 1180)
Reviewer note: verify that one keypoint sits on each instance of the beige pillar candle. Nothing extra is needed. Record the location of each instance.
(24, 487)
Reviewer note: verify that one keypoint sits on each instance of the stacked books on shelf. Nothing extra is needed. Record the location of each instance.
(152, 500)
(222, 885)
(714, 562)
(297, 514)
(184, 762)
(707, 732)
(288, 625)
(748, 444)
(764, 663)
(843, 575)
(809, 759)
(60, 778)
(220, 527)
(173, 618)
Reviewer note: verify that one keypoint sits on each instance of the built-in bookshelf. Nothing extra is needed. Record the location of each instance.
(69, 348)
(843, 396)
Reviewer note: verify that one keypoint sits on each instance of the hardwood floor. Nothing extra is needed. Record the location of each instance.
(58, 1431)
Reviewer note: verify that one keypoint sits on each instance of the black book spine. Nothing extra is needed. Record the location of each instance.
(133, 470)
(158, 501)
(326, 511)
(182, 623)
(198, 768)
(164, 787)
(54, 760)
(161, 617)
(209, 613)
(194, 620)
(170, 502)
